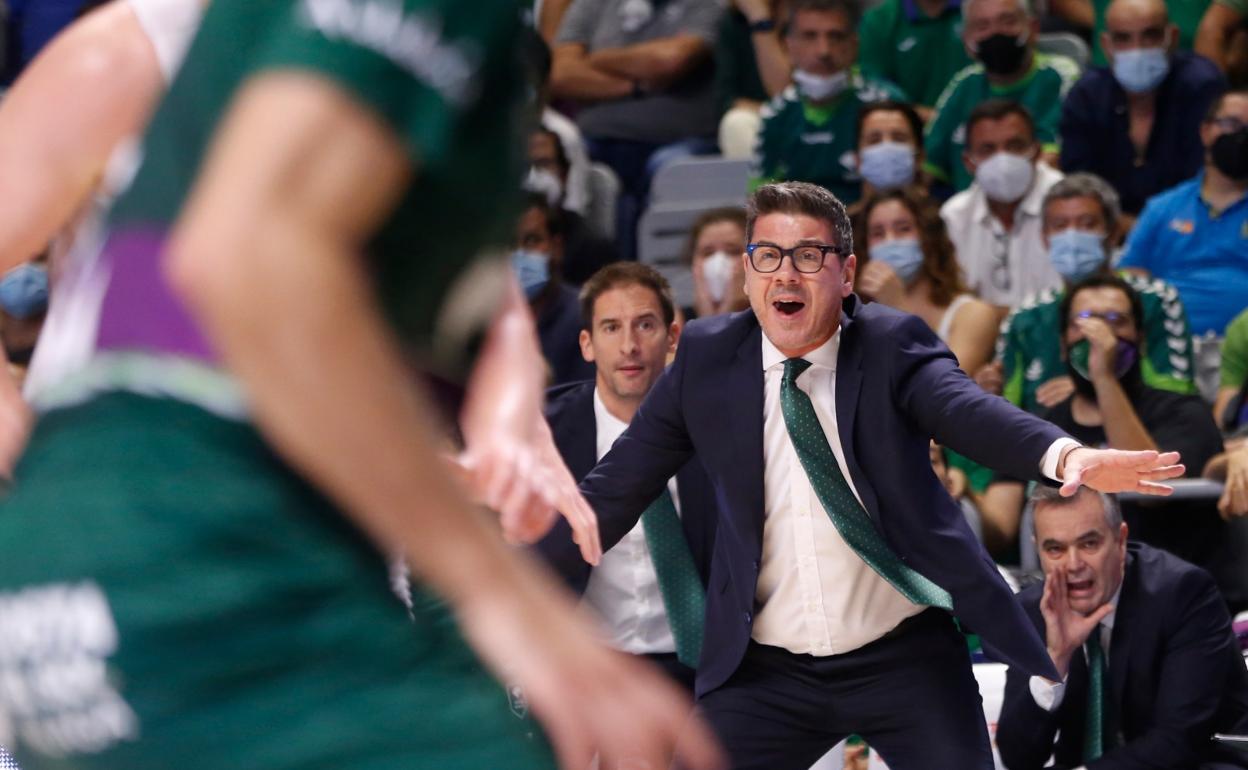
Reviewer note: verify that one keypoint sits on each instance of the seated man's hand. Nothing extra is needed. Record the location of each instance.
(1065, 630)
(1055, 391)
(990, 377)
(1234, 500)
(1115, 470)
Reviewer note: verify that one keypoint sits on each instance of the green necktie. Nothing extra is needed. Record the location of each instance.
(838, 500)
(1094, 718)
(679, 584)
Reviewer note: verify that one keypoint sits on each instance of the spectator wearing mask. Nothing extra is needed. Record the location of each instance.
(1111, 405)
(890, 148)
(23, 306)
(1081, 221)
(1001, 36)
(916, 44)
(572, 144)
(584, 248)
(1150, 665)
(1136, 123)
(909, 264)
(995, 225)
(751, 67)
(537, 261)
(1196, 235)
(809, 131)
(648, 591)
(716, 252)
(1187, 17)
(641, 75)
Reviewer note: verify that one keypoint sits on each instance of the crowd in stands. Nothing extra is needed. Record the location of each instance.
(1076, 232)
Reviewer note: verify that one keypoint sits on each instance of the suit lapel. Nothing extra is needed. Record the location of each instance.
(745, 413)
(577, 441)
(848, 386)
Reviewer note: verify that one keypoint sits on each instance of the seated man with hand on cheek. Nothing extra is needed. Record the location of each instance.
(1150, 667)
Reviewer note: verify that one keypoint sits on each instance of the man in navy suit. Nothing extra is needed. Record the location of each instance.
(836, 544)
(1150, 666)
(629, 330)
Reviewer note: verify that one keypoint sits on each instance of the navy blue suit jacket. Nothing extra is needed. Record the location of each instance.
(897, 386)
(1175, 677)
(570, 413)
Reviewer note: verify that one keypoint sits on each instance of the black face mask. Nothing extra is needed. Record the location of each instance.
(1230, 154)
(1002, 54)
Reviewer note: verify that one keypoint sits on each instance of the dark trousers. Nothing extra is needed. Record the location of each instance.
(676, 671)
(910, 695)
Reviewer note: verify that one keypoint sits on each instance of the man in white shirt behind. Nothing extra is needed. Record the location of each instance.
(648, 599)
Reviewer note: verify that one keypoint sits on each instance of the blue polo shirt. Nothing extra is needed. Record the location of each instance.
(1202, 253)
(1094, 129)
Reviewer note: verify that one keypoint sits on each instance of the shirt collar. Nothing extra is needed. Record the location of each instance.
(824, 355)
(606, 421)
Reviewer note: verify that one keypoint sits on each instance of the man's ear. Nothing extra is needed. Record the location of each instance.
(587, 347)
(848, 271)
(673, 337)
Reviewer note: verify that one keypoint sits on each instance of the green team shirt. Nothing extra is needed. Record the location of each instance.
(899, 43)
(444, 79)
(802, 142)
(1030, 350)
(1235, 353)
(1184, 14)
(1041, 91)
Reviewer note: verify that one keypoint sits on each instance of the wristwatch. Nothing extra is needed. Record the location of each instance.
(765, 25)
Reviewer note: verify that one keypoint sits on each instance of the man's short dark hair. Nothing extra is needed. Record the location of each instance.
(622, 274)
(998, 109)
(1104, 281)
(554, 217)
(1216, 105)
(890, 105)
(801, 198)
(1048, 496)
(846, 7)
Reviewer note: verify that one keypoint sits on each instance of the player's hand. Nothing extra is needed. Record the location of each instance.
(1115, 470)
(590, 699)
(1055, 391)
(1065, 630)
(1234, 500)
(528, 484)
(15, 422)
(990, 377)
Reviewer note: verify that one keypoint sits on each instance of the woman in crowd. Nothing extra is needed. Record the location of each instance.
(906, 261)
(716, 243)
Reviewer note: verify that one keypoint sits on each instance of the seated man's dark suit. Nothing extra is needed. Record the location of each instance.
(1175, 676)
(897, 386)
(570, 413)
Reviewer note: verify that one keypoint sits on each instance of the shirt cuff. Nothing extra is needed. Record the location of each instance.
(1048, 463)
(1047, 695)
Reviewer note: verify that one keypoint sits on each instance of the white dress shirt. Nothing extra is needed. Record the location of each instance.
(623, 589)
(815, 594)
(1002, 267)
(1048, 695)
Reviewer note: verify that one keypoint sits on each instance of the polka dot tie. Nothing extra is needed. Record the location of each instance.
(1094, 715)
(838, 500)
(683, 596)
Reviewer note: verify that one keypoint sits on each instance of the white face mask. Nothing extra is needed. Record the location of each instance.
(545, 183)
(716, 274)
(820, 88)
(1005, 177)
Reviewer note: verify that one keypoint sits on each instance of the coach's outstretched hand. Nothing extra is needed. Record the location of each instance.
(1113, 470)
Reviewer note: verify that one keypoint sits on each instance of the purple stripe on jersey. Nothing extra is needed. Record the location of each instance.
(140, 310)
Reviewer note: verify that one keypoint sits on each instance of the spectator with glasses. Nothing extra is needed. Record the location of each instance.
(1111, 405)
(1196, 235)
(996, 224)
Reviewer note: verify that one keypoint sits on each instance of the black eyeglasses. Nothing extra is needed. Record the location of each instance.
(808, 258)
(1112, 318)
